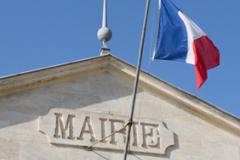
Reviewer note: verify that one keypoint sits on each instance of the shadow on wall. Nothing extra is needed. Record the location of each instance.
(140, 156)
(93, 92)
(168, 151)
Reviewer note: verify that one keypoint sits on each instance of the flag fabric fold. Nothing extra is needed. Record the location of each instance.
(180, 39)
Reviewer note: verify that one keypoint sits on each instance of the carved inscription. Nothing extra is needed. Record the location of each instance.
(84, 129)
(61, 129)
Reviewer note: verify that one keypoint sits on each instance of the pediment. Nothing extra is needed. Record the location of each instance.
(71, 104)
(110, 64)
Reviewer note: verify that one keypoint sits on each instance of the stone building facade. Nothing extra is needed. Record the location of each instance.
(70, 112)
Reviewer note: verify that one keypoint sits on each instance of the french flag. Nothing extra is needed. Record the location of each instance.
(180, 39)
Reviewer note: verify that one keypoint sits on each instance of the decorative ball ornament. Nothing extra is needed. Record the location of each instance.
(104, 34)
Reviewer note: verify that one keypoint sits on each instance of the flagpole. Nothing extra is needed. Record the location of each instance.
(137, 78)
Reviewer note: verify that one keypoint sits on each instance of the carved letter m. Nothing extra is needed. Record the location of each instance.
(63, 129)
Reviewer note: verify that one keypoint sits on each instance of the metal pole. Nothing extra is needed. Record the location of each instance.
(137, 78)
(104, 20)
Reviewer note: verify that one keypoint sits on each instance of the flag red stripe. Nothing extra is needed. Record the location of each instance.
(206, 57)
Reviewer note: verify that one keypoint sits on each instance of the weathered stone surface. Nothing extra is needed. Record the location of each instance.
(89, 130)
(9, 150)
(107, 95)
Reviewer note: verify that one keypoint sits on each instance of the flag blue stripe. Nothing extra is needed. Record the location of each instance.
(172, 43)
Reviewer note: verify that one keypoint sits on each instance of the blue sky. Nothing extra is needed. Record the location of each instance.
(36, 34)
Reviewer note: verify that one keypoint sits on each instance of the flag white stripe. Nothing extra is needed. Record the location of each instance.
(193, 32)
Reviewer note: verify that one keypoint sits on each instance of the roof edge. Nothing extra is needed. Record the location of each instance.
(34, 78)
(191, 102)
(51, 67)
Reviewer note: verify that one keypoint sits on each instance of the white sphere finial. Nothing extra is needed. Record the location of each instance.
(104, 34)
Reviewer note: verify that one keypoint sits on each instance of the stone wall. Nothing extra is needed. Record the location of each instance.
(30, 119)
